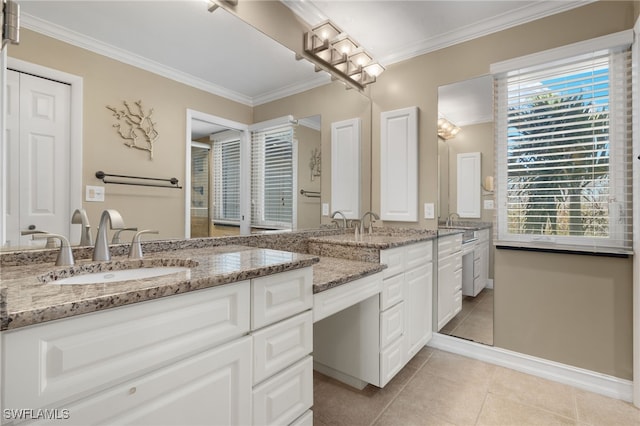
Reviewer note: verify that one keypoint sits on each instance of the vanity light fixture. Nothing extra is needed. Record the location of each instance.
(333, 51)
(10, 22)
(214, 4)
(446, 129)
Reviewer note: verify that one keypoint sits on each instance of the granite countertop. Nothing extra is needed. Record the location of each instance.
(25, 298)
(379, 239)
(466, 224)
(332, 272)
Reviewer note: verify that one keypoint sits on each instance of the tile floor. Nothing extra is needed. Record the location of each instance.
(475, 320)
(441, 388)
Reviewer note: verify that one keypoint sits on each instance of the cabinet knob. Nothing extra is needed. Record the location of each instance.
(132, 390)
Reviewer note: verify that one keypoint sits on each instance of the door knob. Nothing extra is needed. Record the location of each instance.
(31, 227)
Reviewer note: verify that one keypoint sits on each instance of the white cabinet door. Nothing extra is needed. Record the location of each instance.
(446, 280)
(213, 388)
(469, 174)
(418, 308)
(399, 165)
(345, 167)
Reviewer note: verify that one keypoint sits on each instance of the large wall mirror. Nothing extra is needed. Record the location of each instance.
(469, 106)
(109, 81)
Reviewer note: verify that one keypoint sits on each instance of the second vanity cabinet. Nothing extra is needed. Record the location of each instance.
(371, 341)
(232, 354)
(449, 278)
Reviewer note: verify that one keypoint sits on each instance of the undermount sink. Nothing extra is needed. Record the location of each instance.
(119, 271)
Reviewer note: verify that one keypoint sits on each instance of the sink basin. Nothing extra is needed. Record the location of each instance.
(106, 277)
(118, 271)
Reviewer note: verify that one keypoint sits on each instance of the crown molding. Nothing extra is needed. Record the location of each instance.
(79, 40)
(282, 92)
(312, 124)
(531, 12)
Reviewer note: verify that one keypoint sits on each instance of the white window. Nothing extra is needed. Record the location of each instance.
(563, 148)
(226, 180)
(273, 171)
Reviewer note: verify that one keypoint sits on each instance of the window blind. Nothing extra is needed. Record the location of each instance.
(563, 153)
(226, 170)
(272, 177)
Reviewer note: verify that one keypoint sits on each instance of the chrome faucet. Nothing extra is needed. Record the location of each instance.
(65, 255)
(135, 251)
(374, 218)
(51, 242)
(344, 218)
(449, 221)
(101, 249)
(116, 235)
(80, 218)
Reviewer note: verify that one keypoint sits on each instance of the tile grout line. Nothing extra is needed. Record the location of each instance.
(384, 409)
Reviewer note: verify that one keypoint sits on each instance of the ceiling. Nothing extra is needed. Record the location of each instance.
(219, 53)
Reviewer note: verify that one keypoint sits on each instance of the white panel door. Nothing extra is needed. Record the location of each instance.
(38, 148)
(399, 165)
(345, 167)
(12, 145)
(469, 185)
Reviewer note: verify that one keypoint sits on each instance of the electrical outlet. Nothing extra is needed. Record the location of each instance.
(429, 211)
(94, 193)
(325, 209)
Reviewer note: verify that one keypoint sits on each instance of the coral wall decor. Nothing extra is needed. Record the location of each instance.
(135, 126)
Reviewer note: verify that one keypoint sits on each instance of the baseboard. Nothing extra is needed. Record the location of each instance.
(490, 283)
(588, 380)
(339, 376)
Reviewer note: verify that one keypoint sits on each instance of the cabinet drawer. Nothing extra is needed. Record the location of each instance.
(391, 324)
(457, 279)
(394, 259)
(212, 387)
(280, 345)
(283, 398)
(483, 235)
(280, 296)
(392, 292)
(457, 302)
(418, 254)
(304, 420)
(391, 361)
(66, 359)
(449, 245)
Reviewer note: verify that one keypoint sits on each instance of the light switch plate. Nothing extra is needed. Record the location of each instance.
(94, 193)
(489, 205)
(325, 209)
(429, 211)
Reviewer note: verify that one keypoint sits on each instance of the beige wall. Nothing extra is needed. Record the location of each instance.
(109, 82)
(308, 207)
(571, 309)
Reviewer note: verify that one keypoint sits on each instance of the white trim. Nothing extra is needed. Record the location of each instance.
(3, 166)
(244, 195)
(270, 124)
(588, 380)
(635, 67)
(561, 53)
(75, 169)
(490, 283)
(311, 124)
(531, 12)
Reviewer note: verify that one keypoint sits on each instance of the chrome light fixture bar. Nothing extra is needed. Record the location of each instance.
(213, 5)
(333, 51)
(10, 15)
(446, 129)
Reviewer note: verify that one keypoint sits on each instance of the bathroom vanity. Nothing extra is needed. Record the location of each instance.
(227, 340)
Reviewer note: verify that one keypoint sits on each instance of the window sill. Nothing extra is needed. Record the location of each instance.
(563, 249)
